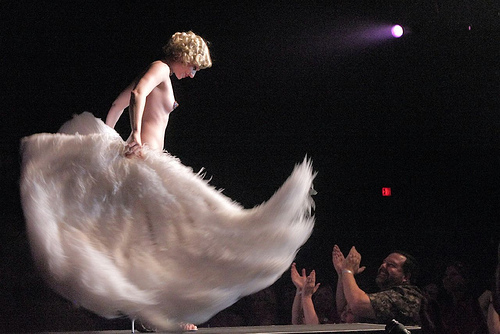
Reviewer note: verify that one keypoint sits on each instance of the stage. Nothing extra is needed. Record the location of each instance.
(299, 329)
(288, 329)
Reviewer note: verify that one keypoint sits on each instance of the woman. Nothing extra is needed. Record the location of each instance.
(303, 311)
(148, 238)
(459, 309)
(308, 310)
(151, 96)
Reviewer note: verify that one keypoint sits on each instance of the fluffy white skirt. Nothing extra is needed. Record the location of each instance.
(148, 238)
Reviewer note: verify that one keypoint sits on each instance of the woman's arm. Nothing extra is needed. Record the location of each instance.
(493, 320)
(310, 287)
(118, 106)
(297, 314)
(298, 281)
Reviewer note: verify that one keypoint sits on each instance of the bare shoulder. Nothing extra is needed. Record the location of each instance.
(156, 73)
(160, 66)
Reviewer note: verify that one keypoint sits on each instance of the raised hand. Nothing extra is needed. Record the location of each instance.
(298, 280)
(353, 260)
(337, 259)
(310, 286)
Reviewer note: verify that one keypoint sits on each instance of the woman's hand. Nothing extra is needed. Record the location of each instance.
(310, 286)
(338, 260)
(298, 280)
(134, 145)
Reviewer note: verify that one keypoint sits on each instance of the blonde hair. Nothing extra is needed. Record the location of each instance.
(189, 49)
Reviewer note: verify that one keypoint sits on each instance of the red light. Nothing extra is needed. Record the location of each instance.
(386, 191)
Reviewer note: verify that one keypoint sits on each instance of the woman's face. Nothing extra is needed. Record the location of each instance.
(324, 297)
(182, 71)
(453, 280)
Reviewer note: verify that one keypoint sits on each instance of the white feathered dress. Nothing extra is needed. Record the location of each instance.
(148, 238)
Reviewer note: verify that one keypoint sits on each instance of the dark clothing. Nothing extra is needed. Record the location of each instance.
(464, 316)
(401, 302)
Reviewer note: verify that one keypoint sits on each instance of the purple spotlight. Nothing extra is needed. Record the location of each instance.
(397, 31)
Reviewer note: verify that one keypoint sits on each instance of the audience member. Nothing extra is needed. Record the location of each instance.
(230, 317)
(286, 291)
(485, 299)
(398, 299)
(496, 287)
(347, 316)
(430, 313)
(303, 311)
(263, 308)
(314, 303)
(493, 319)
(460, 310)
(324, 301)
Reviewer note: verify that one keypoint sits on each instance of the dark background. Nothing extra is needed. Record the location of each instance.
(419, 114)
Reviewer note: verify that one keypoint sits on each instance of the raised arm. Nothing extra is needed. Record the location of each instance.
(310, 287)
(338, 263)
(358, 300)
(299, 281)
